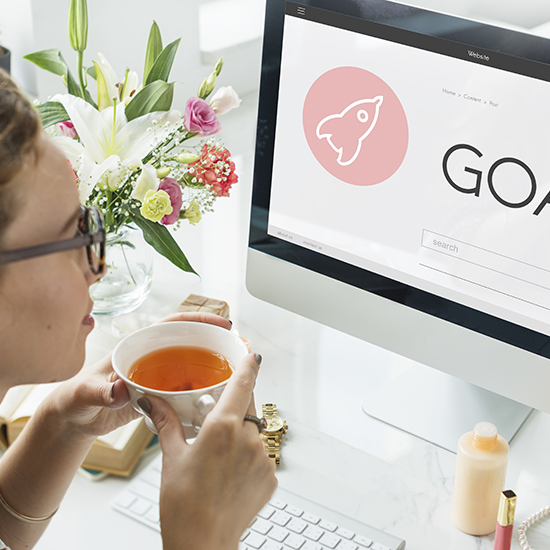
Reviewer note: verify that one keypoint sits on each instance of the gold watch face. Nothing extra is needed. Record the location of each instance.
(274, 424)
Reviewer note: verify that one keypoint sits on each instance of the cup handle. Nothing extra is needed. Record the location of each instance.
(150, 425)
(204, 405)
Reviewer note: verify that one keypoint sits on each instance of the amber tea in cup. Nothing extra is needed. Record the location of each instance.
(167, 341)
(180, 368)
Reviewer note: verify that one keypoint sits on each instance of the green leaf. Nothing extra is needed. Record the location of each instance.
(163, 65)
(52, 61)
(72, 87)
(156, 96)
(49, 60)
(52, 113)
(154, 48)
(92, 72)
(161, 240)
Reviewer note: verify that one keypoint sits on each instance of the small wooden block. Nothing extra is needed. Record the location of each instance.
(194, 302)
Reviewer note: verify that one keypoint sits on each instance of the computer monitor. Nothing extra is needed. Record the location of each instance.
(401, 194)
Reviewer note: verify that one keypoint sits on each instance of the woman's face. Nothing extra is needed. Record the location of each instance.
(45, 304)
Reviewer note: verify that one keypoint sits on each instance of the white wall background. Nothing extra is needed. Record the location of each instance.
(209, 28)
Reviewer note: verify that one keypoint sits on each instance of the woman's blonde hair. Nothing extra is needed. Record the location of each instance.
(19, 130)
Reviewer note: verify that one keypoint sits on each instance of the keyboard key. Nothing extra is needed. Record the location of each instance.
(346, 533)
(347, 545)
(245, 534)
(146, 490)
(153, 515)
(278, 534)
(140, 506)
(311, 546)
(311, 518)
(277, 503)
(329, 540)
(272, 545)
(266, 512)
(328, 525)
(294, 541)
(378, 546)
(296, 526)
(363, 541)
(280, 518)
(294, 511)
(254, 540)
(151, 476)
(313, 533)
(126, 499)
(261, 526)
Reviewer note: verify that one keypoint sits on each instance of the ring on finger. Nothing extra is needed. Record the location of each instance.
(261, 423)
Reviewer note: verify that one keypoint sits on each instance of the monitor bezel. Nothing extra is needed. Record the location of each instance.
(532, 54)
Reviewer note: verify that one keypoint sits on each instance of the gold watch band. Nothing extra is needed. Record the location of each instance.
(269, 409)
(272, 442)
(272, 449)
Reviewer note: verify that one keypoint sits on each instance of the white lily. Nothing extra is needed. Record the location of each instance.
(109, 87)
(108, 140)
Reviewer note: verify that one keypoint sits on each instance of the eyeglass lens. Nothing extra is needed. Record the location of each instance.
(96, 250)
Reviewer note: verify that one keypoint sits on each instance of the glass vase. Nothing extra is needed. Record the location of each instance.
(127, 282)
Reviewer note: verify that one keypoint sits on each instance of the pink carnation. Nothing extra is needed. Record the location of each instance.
(215, 168)
(200, 118)
(68, 129)
(172, 187)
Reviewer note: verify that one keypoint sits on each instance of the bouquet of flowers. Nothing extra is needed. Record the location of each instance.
(129, 149)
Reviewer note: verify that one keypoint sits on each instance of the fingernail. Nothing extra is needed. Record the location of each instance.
(144, 405)
(258, 358)
(112, 391)
(230, 321)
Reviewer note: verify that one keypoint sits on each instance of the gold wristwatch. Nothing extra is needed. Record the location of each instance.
(273, 434)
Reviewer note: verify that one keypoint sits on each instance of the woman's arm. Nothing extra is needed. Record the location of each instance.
(38, 468)
(35, 473)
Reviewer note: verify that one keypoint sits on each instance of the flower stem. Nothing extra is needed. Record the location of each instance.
(110, 219)
(127, 264)
(81, 73)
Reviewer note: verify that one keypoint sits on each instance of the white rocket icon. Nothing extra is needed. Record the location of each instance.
(346, 131)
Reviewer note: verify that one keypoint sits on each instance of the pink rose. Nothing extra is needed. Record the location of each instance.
(200, 118)
(172, 187)
(68, 129)
(215, 168)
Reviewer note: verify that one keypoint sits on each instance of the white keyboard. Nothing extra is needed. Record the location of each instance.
(287, 522)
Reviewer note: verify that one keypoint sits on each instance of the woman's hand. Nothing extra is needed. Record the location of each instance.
(95, 401)
(211, 490)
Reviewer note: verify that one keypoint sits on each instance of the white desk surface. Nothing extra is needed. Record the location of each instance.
(318, 377)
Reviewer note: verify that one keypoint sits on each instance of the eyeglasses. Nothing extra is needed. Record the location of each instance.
(92, 236)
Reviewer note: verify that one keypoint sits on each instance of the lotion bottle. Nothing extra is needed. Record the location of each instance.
(480, 474)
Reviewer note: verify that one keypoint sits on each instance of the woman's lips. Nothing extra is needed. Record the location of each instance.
(88, 320)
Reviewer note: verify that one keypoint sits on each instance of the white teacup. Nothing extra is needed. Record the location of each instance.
(192, 406)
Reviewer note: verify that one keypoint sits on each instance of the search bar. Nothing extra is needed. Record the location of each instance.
(489, 269)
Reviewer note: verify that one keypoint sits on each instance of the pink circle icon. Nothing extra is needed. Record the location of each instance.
(355, 126)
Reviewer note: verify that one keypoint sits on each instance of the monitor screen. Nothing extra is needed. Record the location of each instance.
(404, 154)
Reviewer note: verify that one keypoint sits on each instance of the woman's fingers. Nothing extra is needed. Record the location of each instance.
(238, 394)
(166, 422)
(199, 317)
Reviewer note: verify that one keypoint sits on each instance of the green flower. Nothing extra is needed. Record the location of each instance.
(193, 213)
(156, 205)
(78, 25)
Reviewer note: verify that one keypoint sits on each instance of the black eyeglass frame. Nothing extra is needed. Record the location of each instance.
(86, 239)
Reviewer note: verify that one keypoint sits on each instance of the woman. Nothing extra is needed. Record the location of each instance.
(44, 321)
